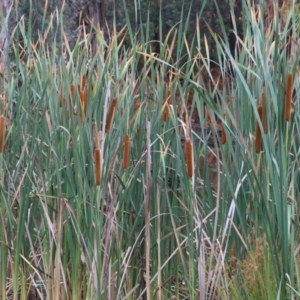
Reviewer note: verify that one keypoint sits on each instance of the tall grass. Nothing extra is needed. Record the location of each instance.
(123, 188)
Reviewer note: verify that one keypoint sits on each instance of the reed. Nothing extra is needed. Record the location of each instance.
(189, 157)
(2, 133)
(126, 151)
(258, 131)
(288, 97)
(97, 160)
(110, 114)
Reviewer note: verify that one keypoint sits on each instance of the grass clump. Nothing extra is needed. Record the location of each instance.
(254, 276)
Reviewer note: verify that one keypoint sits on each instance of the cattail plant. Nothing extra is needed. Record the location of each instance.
(258, 131)
(2, 133)
(110, 114)
(126, 151)
(97, 160)
(166, 107)
(189, 157)
(288, 96)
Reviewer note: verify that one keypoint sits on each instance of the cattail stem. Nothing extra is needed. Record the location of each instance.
(2, 133)
(126, 151)
(258, 131)
(97, 160)
(288, 96)
(189, 157)
(110, 114)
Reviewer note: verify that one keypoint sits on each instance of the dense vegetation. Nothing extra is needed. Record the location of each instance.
(129, 173)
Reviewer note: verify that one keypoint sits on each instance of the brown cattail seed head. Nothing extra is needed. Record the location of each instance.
(189, 157)
(110, 114)
(166, 107)
(72, 90)
(262, 100)
(61, 99)
(223, 133)
(126, 151)
(288, 96)
(83, 103)
(97, 160)
(83, 82)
